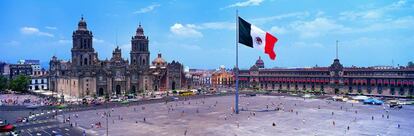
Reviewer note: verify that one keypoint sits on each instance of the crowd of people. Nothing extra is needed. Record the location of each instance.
(21, 100)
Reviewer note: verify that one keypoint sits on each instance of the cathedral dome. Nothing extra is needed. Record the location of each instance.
(82, 24)
(159, 61)
(140, 31)
(260, 63)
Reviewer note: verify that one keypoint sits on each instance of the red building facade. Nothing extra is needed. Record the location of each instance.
(335, 79)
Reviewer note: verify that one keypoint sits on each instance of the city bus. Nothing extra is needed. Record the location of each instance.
(186, 93)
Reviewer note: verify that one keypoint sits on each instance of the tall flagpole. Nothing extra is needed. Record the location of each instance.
(237, 63)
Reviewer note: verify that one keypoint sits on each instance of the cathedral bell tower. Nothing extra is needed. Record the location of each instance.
(139, 50)
(83, 53)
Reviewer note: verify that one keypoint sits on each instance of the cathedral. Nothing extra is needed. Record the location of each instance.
(86, 75)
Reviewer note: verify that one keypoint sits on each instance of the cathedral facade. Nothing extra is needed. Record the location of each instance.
(86, 75)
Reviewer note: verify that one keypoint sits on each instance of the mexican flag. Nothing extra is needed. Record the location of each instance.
(253, 36)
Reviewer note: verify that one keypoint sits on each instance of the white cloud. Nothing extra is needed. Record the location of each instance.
(34, 31)
(51, 27)
(399, 23)
(374, 13)
(96, 40)
(64, 41)
(353, 15)
(217, 25)
(307, 44)
(264, 20)
(317, 27)
(188, 30)
(246, 3)
(278, 30)
(147, 9)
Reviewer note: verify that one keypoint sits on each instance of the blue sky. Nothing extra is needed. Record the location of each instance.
(201, 34)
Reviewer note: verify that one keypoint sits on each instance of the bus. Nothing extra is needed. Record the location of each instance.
(186, 93)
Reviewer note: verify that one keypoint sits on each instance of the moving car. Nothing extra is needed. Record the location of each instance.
(33, 106)
(373, 101)
(395, 104)
(7, 128)
(132, 98)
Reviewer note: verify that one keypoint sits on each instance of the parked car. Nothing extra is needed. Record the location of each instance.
(115, 99)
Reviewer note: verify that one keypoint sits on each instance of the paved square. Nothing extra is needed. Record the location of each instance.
(213, 116)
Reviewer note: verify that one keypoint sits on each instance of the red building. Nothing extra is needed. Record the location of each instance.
(335, 79)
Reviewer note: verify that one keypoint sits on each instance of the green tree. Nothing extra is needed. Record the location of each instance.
(3, 83)
(410, 64)
(20, 83)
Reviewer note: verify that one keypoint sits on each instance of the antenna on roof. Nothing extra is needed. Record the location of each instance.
(116, 37)
(337, 49)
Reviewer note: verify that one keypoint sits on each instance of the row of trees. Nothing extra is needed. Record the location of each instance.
(19, 84)
(410, 64)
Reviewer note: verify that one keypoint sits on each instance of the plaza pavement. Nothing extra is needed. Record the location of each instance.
(215, 117)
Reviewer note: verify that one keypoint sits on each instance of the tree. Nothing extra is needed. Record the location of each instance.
(410, 64)
(3, 83)
(20, 83)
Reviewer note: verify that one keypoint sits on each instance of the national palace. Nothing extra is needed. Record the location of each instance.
(334, 79)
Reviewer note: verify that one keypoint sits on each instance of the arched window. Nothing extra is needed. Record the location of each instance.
(80, 60)
(85, 61)
(402, 91)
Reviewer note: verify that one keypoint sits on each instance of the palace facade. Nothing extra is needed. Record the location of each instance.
(335, 79)
(86, 75)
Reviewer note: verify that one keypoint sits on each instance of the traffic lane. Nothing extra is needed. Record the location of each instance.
(37, 124)
(50, 130)
(12, 116)
(66, 131)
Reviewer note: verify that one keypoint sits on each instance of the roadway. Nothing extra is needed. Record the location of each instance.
(43, 121)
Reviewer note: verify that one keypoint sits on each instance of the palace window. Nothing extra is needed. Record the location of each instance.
(379, 89)
(402, 91)
(392, 91)
(411, 92)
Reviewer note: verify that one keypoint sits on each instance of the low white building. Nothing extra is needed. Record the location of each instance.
(38, 83)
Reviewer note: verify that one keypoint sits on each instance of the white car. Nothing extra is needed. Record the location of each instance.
(133, 100)
(116, 100)
(155, 98)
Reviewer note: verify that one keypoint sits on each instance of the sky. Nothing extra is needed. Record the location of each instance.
(201, 34)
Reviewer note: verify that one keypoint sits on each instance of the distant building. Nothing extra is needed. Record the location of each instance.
(37, 69)
(20, 69)
(199, 78)
(335, 79)
(38, 83)
(222, 78)
(2, 66)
